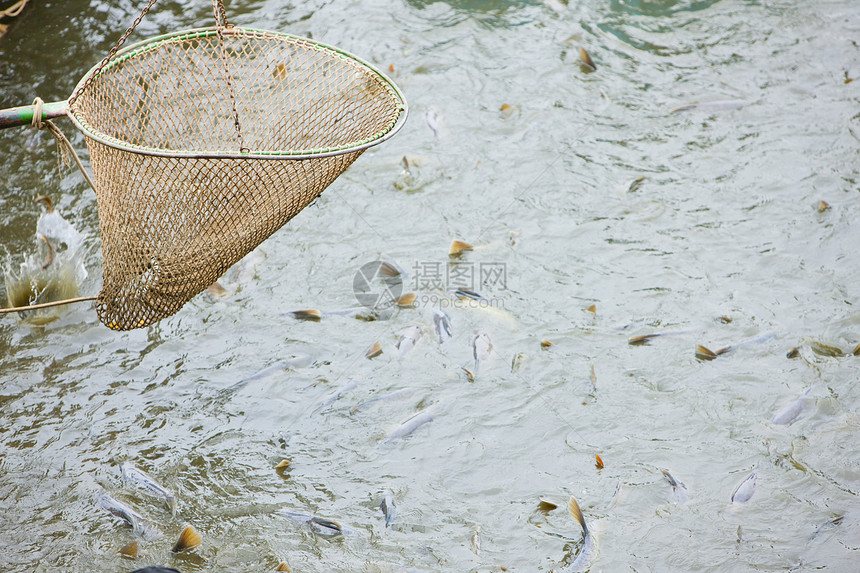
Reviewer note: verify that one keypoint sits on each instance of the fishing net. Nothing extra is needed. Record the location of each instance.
(205, 142)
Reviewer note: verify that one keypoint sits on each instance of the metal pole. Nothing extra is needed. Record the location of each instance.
(23, 115)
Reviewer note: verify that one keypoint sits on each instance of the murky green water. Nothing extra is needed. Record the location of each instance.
(722, 240)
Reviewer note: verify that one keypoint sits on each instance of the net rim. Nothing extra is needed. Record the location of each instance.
(143, 46)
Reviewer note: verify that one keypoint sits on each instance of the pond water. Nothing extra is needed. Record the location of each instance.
(598, 211)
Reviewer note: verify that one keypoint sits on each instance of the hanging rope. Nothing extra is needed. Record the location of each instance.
(14, 9)
(221, 24)
(63, 145)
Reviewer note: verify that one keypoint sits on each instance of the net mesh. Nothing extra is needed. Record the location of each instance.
(179, 202)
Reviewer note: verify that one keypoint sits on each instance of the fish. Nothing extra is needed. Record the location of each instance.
(400, 394)
(127, 514)
(465, 293)
(635, 184)
(442, 325)
(586, 60)
(189, 539)
(431, 116)
(790, 412)
(388, 507)
(825, 350)
(482, 348)
(517, 361)
(408, 426)
(827, 525)
(332, 398)
(216, 290)
(131, 475)
(679, 490)
(588, 550)
(319, 525)
(707, 354)
(55, 228)
(285, 365)
(475, 540)
(722, 105)
(409, 337)
(745, 490)
(458, 248)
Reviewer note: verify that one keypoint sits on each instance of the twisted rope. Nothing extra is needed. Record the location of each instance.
(63, 144)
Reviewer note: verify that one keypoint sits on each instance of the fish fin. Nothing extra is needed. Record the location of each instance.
(458, 248)
(282, 566)
(188, 539)
(129, 550)
(586, 59)
(642, 339)
(546, 506)
(703, 353)
(598, 461)
(573, 507)
(407, 299)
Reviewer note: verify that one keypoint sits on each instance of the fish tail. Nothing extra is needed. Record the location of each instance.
(573, 507)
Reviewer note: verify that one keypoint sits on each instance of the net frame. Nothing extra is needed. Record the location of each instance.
(159, 247)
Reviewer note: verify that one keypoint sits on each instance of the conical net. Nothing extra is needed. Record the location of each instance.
(200, 150)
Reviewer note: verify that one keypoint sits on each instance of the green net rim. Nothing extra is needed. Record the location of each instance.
(144, 46)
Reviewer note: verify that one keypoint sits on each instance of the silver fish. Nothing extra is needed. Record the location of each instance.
(431, 116)
(745, 490)
(291, 363)
(411, 424)
(679, 490)
(332, 398)
(388, 507)
(482, 348)
(442, 324)
(409, 337)
(588, 551)
(319, 525)
(132, 475)
(400, 394)
(711, 106)
(127, 514)
(790, 412)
